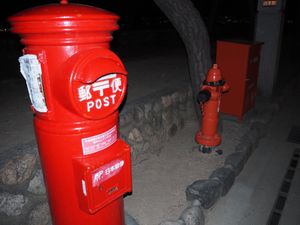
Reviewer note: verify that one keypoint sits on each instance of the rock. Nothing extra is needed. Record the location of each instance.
(148, 111)
(182, 107)
(135, 136)
(172, 130)
(157, 107)
(138, 114)
(147, 131)
(18, 170)
(182, 97)
(193, 215)
(175, 98)
(154, 141)
(166, 101)
(40, 215)
(125, 118)
(167, 117)
(237, 161)
(133, 153)
(206, 191)
(156, 121)
(176, 222)
(245, 147)
(226, 176)
(36, 185)
(11, 204)
(137, 148)
(146, 147)
(254, 137)
(251, 137)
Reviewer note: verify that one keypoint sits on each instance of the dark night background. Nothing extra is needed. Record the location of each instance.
(143, 24)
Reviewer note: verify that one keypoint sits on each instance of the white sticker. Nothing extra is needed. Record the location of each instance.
(99, 142)
(31, 70)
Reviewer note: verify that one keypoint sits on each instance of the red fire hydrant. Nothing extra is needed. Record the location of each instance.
(76, 85)
(209, 98)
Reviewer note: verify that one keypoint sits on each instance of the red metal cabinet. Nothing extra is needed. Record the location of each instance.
(239, 63)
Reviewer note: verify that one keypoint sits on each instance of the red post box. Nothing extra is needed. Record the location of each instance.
(76, 85)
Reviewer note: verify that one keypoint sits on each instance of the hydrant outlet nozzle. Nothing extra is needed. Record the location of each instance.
(203, 96)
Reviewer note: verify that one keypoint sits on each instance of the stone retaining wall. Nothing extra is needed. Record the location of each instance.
(145, 124)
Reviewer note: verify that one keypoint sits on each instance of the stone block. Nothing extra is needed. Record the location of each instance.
(236, 161)
(147, 131)
(18, 170)
(40, 215)
(206, 191)
(11, 204)
(135, 136)
(138, 114)
(175, 222)
(182, 97)
(36, 185)
(156, 122)
(166, 101)
(148, 111)
(126, 118)
(172, 130)
(167, 117)
(157, 107)
(226, 176)
(193, 215)
(175, 98)
(245, 147)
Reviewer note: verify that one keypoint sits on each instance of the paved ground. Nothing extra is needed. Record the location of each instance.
(251, 199)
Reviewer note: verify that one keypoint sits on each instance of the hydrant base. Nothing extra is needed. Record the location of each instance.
(209, 141)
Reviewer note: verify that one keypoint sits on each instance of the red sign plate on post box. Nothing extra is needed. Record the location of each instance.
(102, 178)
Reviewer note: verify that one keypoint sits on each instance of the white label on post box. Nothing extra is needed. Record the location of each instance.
(99, 142)
(31, 70)
(106, 171)
(103, 94)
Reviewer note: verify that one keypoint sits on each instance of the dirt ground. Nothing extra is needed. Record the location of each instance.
(159, 182)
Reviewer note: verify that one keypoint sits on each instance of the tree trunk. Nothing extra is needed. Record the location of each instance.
(187, 21)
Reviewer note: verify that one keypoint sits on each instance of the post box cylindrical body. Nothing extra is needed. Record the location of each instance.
(76, 85)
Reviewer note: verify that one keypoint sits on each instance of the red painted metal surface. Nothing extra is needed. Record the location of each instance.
(208, 135)
(86, 166)
(239, 62)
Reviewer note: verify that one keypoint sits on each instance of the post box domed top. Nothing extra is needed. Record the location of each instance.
(63, 19)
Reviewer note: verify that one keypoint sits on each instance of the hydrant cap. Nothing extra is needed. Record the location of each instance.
(214, 74)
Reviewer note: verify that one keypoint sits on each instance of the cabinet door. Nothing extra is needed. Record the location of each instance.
(253, 62)
(250, 94)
